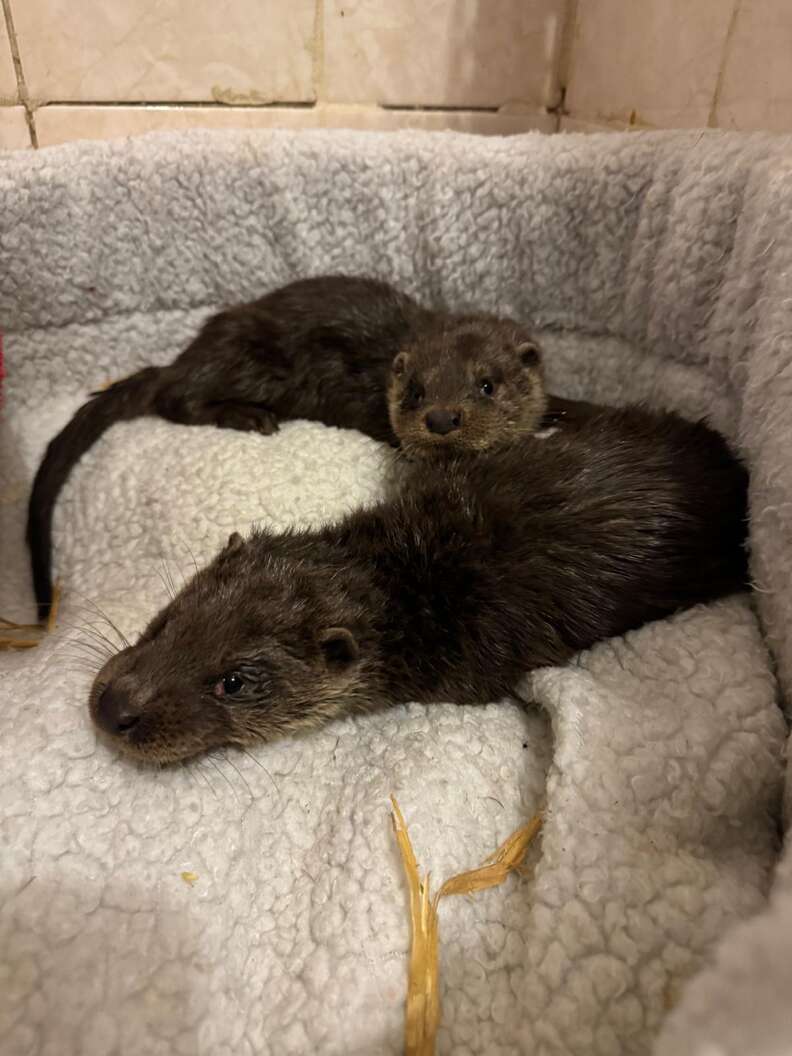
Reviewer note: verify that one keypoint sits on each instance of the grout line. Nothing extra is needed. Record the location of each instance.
(712, 117)
(20, 76)
(564, 59)
(170, 104)
(318, 69)
(421, 108)
(204, 104)
(559, 112)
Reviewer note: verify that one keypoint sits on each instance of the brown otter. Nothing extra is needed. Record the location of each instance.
(318, 348)
(481, 569)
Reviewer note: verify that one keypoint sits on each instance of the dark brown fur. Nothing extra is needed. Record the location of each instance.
(479, 377)
(480, 569)
(318, 348)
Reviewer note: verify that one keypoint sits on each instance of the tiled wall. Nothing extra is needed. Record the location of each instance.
(98, 68)
(681, 63)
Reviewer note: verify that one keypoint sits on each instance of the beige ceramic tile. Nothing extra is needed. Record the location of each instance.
(756, 92)
(13, 128)
(243, 51)
(60, 124)
(479, 122)
(8, 83)
(573, 124)
(442, 52)
(653, 62)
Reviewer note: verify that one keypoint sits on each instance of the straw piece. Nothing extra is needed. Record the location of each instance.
(423, 1006)
(422, 1015)
(494, 871)
(10, 640)
(54, 606)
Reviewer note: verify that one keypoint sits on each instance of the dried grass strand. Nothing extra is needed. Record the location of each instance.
(52, 615)
(422, 1012)
(9, 640)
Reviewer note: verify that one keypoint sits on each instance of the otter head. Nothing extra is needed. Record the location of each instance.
(253, 647)
(471, 383)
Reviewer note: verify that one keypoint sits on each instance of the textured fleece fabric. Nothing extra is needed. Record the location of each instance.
(254, 903)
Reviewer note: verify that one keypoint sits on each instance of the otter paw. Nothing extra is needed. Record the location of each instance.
(247, 418)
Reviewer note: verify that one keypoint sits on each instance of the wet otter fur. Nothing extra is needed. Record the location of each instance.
(319, 348)
(481, 568)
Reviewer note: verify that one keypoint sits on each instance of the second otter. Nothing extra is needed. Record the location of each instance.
(321, 349)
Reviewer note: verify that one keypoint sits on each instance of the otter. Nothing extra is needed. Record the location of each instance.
(484, 567)
(322, 349)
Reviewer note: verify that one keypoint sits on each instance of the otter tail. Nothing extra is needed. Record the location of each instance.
(126, 399)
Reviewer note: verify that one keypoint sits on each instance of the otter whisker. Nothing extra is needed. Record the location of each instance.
(192, 555)
(209, 759)
(97, 644)
(185, 579)
(87, 617)
(92, 605)
(188, 776)
(82, 666)
(84, 636)
(111, 623)
(90, 656)
(259, 763)
(169, 576)
(65, 626)
(89, 648)
(99, 637)
(168, 587)
(241, 775)
(200, 772)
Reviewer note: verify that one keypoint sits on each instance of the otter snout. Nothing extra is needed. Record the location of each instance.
(442, 421)
(115, 713)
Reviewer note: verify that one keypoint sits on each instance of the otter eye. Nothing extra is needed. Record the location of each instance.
(229, 685)
(413, 395)
(486, 387)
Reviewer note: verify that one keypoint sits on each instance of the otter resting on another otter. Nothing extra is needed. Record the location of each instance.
(322, 349)
(485, 567)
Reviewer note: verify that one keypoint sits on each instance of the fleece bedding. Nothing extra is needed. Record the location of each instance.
(255, 903)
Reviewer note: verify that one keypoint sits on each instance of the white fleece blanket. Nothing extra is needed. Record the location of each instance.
(254, 903)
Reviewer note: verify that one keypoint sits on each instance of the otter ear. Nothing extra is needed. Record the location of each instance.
(235, 542)
(339, 648)
(399, 364)
(529, 352)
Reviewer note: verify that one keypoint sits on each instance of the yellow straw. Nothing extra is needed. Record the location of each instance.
(9, 639)
(422, 1015)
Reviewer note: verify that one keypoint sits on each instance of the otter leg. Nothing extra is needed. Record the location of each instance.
(247, 417)
(244, 415)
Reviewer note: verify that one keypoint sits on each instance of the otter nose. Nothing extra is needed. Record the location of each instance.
(441, 421)
(115, 713)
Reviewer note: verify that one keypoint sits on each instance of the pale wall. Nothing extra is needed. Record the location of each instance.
(103, 68)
